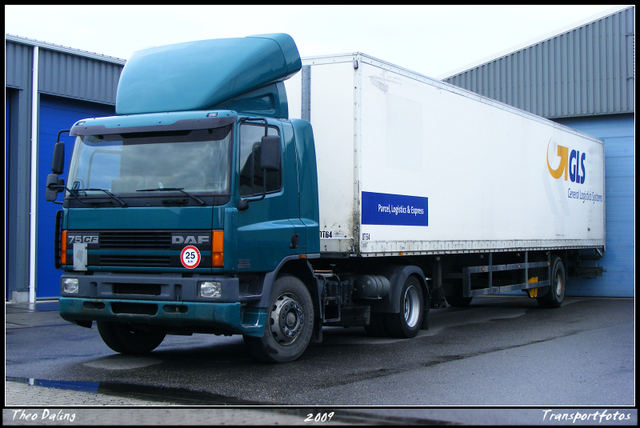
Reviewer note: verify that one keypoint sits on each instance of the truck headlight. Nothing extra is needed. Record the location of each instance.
(210, 289)
(70, 285)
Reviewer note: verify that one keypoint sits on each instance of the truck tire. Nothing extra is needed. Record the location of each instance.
(555, 295)
(129, 339)
(289, 323)
(407, 322)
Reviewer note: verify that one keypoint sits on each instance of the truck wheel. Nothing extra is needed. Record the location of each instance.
(129, 339)
(407, 322)
(555, 295)
(289, 323)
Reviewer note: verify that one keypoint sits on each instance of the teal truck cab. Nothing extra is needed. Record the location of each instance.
(192, 210)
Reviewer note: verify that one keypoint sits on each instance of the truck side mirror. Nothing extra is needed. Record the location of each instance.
(267, 159)
(54, 186)
(270, 153)
(57, 164)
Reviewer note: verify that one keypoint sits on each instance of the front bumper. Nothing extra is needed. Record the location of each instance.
(168, 300)
(229, 318)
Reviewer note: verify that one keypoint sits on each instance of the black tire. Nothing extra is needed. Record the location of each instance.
(290, 319)
(555, 292)
(408, 321)
(129, 339)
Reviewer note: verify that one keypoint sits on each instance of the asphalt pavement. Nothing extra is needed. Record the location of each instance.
(36, 402)
(40, 402)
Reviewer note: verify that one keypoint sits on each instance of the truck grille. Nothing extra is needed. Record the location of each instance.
(137, 260)
(153, 240)
(125, 249)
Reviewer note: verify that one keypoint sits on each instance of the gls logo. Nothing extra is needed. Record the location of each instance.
(571, 164)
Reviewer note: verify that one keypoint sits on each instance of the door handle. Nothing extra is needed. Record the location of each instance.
(295, 241)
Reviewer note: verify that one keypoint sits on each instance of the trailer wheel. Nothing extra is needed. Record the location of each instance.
(407, 322)
(289, 324)
(555, 295)
(129, 339)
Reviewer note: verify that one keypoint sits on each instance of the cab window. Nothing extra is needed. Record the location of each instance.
(251, 177)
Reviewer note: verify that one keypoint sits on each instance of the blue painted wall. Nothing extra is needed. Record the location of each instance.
(56, 113)
(618, 133)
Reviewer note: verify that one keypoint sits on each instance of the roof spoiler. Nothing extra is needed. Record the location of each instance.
(241, 74)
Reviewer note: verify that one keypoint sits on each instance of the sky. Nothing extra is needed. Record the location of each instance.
(433, 40)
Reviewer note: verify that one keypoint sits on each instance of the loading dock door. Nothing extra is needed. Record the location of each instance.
(56, 113)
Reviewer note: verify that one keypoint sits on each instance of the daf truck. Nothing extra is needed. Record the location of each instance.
(239, 189)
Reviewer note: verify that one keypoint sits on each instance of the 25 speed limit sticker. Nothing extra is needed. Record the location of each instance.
(190, 257)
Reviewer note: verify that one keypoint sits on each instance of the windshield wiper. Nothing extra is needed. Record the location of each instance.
(174, 189)
(122, 203)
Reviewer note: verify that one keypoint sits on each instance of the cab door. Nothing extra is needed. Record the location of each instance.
(266, 227)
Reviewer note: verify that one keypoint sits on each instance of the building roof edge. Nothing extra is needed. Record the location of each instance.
(539, 39)
(65, 49)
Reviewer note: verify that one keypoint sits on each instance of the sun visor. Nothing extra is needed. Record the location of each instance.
(204, 74)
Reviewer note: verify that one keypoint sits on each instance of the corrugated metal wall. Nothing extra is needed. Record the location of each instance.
(18, 63)
(77, 77)
(586, 71)
(62, 71)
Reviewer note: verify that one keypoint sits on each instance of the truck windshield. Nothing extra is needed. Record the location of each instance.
(195, 161)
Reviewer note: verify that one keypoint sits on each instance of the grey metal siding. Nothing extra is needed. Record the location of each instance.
(78, 77)
(63, 71)
(586, 71)
(18, 63)
(18, 66)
